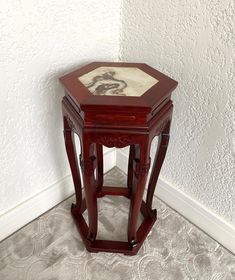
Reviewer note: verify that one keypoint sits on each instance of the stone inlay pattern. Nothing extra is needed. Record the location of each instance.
(118, 81)
(50, 247)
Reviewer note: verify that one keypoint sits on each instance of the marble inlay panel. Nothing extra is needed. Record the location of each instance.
(118, 81)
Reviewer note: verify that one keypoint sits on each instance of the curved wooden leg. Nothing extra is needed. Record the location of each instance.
(88, 166)
(99, 167)
(130, 168)
(158, 161)
(72, 157)
(141, 167)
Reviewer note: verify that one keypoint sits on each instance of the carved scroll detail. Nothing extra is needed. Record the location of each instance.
(88, 166)
(114, 141)
(141, 169)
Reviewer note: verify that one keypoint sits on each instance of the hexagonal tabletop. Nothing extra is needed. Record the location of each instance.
(135, 86)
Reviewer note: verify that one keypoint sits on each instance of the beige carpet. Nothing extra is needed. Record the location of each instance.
(50, 248)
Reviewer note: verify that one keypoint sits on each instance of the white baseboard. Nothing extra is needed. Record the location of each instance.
(214, 225)
(28, 210)
(33, 207)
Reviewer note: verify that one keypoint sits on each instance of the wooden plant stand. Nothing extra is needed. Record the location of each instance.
(116, 105)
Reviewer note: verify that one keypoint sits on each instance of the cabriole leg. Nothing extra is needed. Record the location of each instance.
(72, 157)
(99, 168)
(130, 168)
(158, 161)
(88, 166)
(141, 167)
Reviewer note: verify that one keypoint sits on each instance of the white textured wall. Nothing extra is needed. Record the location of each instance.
(193, 42)
(39, 41)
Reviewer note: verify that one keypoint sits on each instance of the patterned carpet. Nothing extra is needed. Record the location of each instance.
(50, 248)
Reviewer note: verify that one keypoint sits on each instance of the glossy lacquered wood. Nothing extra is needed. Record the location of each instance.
(135, 109)
(116, 122)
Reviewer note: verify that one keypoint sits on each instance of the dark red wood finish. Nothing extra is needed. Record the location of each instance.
(116, 121)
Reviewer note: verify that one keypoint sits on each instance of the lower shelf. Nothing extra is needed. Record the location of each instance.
(109, 245)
